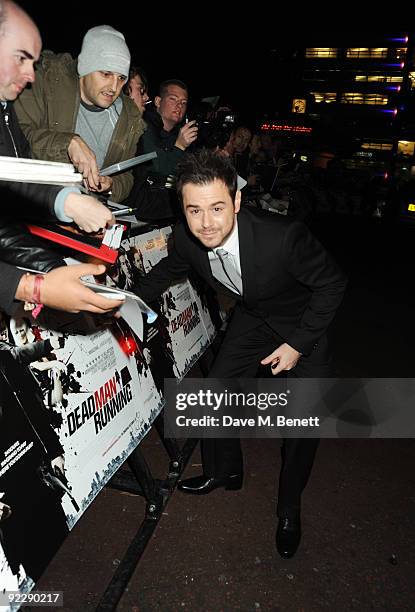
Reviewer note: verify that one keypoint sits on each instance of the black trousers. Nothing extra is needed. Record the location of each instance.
(239, 357)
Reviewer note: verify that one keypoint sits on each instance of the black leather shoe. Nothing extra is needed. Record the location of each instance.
(202, 485)
(288, 536)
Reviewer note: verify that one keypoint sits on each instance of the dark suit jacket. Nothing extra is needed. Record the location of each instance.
(289, 279)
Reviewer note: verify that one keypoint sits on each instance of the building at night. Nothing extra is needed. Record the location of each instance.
(354, 101)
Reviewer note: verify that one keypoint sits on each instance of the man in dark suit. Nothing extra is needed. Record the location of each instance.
(287, 289)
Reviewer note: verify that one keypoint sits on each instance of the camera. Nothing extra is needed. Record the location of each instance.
(215, 126)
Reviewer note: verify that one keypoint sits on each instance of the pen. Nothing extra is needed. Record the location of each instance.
(122, 211)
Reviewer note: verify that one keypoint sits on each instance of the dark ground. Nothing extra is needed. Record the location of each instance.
(217, 552)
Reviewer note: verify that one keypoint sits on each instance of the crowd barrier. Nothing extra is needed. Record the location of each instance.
(78, 395)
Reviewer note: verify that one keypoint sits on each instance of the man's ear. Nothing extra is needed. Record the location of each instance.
(237, 202)
(157, 101)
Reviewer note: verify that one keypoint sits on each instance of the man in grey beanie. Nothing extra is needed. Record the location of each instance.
(75, 111)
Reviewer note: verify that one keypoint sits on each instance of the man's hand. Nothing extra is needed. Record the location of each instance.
(88, 214)
(62, 289)
(105, 184)
(84, 160)
(187, 135)
(285, 357)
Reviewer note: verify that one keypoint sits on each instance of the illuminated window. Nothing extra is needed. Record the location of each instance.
(321, 52)
(377, 146)
(412, 79)
(378, 78)
(323, 96)
(357, 52)
(363, 98)
(400, 53)
(406, 147)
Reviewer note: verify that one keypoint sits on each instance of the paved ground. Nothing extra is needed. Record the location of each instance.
(217, 552)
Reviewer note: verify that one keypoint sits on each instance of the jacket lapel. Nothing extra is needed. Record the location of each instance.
(206, 273)
(247, 258)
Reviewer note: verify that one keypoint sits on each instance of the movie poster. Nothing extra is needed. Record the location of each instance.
(184, 327)
(72, 409)
(77, 395)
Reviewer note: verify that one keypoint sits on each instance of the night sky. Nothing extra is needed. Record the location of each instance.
(213, 55)
(247, 55)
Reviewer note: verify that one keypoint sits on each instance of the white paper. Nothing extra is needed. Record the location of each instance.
(26, 170)
(113, 235)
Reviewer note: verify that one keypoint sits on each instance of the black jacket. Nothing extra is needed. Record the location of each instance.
(21, 201)
(149, 194)
(288, 278)
(155, 138)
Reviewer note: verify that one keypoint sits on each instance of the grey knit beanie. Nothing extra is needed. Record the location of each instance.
(104, 48)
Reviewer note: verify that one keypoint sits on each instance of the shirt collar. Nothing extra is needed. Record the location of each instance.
(231, 244)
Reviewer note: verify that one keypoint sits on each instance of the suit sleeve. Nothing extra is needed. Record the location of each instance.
(312, 266)
(172, 268)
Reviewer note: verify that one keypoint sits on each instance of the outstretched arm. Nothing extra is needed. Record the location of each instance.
(62, 289)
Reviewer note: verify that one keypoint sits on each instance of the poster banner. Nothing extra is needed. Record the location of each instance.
(184, 326)
(72, 409)
(77, 395)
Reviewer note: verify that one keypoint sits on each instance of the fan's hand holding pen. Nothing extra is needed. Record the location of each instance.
(63, 289)
(104, 185)
(84, 160)
(88, 213)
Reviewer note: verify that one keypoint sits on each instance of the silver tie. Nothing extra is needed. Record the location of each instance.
(230, 271)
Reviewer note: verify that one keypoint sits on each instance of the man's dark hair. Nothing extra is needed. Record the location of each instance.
(164, 85)
(135, 71)
(203, 167)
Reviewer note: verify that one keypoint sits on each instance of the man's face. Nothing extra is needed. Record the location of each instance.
(20, 46)
(172, 106)
(241, 140)
(101, 88)
(210, 212)
(138, 92)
